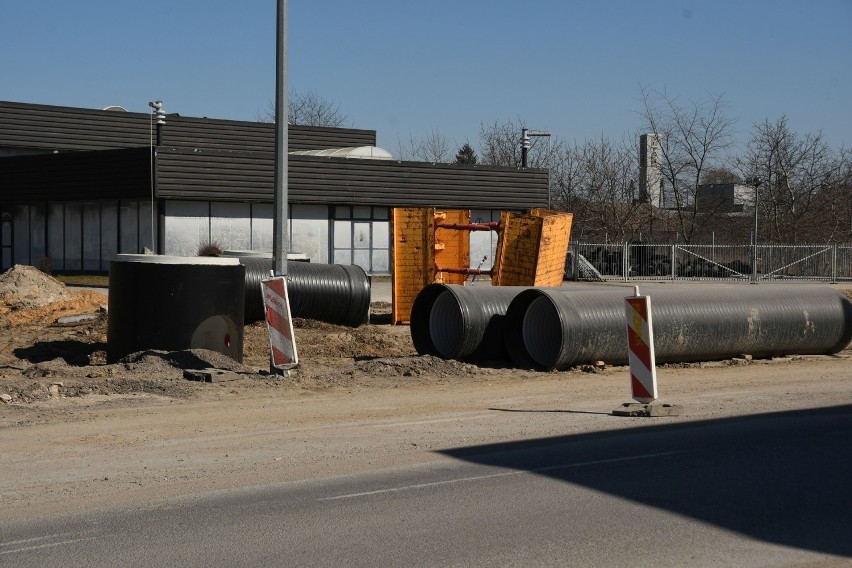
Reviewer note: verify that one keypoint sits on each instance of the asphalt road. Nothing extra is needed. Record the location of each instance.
(763, 490)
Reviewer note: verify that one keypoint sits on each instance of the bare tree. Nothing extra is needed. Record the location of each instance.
(433, 148)
(693, 138)
(596, 182)
(309, 109)
(800, 198)
(500, 145)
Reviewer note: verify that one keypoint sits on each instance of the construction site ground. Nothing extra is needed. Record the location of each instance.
(78, 432)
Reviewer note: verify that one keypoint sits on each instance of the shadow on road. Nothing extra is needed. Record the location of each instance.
(557, 411)
(783, 477)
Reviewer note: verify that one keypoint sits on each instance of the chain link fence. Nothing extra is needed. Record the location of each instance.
(769, 263)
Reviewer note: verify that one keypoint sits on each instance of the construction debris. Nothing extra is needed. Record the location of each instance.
(28, 295)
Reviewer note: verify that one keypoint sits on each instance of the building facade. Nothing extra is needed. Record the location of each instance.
(79, 186)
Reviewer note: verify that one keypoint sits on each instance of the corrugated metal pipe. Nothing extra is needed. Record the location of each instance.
(333, 293)
(461, 322)
(560, 328)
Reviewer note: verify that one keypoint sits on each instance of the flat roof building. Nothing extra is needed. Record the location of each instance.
(78, 186)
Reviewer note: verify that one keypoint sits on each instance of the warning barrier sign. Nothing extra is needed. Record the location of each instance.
(279, 323)
(640, 342)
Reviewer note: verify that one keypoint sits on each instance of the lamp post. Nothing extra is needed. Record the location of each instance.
(280, 242)
(159, 118)
(525, 149)
(755, 182)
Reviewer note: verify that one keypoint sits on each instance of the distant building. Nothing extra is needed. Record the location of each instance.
(725, 198)
(79, 186)
(650, 173)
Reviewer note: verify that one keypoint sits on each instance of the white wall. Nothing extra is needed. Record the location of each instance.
(230, 225)
(243, 226)
(262, 235)
(186, 227)
(309, 231)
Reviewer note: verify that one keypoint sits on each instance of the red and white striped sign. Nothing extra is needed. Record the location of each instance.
(279, 324)
(640, 343)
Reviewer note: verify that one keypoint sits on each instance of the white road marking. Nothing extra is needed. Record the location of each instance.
(493, 475)
(36, 547)
(430, 421)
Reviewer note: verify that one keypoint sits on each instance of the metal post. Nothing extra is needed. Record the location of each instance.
(280, 244)
(834, 264)
(160, 119)
(754, 243)
(713, 246)
(575, 261)
(624, 259)
(525, 144)
(755, 183)
(673, 261)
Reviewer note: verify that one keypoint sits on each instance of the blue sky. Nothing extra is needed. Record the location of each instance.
(407, 68)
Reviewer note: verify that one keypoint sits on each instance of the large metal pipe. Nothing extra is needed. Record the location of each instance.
(333, 293)
(461, 322)
(558, 328)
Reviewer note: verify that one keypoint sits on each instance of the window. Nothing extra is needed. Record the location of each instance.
(362, 237)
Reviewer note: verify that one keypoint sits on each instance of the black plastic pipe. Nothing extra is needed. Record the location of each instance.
(559, 328)
(461, 322)
(333, 293)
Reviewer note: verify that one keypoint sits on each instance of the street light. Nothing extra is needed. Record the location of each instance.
(525, 148)
(755, 182)
(158, 116)
(525, 142)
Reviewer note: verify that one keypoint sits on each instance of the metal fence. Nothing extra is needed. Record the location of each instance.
(770, 263)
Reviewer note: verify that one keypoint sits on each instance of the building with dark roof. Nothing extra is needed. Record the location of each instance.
(78, 186)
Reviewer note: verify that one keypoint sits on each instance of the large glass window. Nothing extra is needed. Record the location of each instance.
(73, 233)
(91, 236)
(362, 237)
(5, 240)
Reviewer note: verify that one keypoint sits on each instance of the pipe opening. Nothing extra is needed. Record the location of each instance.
(446, 325)
(542, 332)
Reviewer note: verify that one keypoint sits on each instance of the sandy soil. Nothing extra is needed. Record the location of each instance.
(78, 432)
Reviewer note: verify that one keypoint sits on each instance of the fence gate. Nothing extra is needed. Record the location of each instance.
(796, 262)
(710, 262)
(764, 263)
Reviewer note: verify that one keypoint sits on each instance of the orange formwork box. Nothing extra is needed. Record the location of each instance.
(419, 248)
(434, 246)
(531, 248)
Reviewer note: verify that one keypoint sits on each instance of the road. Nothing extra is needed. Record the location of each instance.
(768, 489)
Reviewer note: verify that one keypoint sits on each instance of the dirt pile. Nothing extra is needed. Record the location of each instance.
(42, 360)
(28, 295)
(27, 287)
